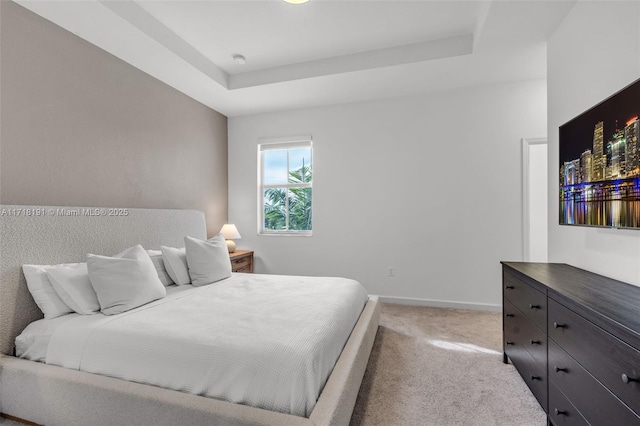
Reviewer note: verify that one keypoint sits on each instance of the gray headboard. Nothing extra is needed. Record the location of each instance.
(50, 235)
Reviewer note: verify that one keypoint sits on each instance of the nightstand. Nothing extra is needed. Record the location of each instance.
(241, 261)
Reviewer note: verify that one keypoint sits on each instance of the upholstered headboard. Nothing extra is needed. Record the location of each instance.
(49, 235)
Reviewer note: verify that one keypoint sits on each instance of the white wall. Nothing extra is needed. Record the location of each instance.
(594, 53)
(429, 185)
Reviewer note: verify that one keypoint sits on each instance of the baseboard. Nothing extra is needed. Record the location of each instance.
(441, 303)
(18, 420)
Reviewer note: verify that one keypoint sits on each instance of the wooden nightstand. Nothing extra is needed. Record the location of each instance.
(242, 261)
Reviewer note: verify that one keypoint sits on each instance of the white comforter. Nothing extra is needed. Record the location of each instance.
(261, 340)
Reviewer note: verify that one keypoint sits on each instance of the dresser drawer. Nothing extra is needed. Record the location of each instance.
(561, 411)
(242, 261)
(534, 375)
(606, 357)
(520, 332)
(530, 301)
(595, 402)
(240, 265)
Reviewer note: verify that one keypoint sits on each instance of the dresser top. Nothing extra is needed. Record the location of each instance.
(611, 304)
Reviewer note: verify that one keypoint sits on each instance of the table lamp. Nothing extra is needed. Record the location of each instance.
(230, 233)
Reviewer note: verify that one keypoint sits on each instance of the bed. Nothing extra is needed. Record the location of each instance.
(48, 394)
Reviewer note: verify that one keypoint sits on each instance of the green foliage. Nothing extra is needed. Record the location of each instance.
(274, 209)
(275, 217)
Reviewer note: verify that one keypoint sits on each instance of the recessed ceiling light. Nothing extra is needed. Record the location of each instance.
(239, 59)
(296, 1)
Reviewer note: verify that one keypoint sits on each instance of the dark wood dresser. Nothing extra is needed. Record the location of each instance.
(574, 337)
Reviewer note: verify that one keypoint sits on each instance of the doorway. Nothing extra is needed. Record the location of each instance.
(534, 200)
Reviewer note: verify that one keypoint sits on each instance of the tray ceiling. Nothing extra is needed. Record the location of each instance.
(318, 53)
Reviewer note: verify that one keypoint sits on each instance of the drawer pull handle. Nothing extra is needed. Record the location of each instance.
(535, 377)
(509, 315)
(509, 343)
(628, 379)
(534, 306)
(536, 342)
(509, 287)
(561, 412)
(558, 369)
(556, 325)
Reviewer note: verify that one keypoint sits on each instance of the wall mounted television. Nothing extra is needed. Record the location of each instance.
(600, 164)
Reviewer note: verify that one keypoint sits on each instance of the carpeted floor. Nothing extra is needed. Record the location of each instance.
(433, 366)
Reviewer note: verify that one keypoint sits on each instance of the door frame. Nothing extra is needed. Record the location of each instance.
(526, 231)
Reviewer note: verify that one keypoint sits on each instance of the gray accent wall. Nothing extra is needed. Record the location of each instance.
(80, 127)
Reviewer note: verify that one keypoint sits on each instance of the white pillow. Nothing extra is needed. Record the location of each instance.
(158, 263)
(208, 260)
(125, 281)
(71, 283)
(42, 291)
(175, 261)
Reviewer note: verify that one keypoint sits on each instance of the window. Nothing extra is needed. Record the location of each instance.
(286, 186)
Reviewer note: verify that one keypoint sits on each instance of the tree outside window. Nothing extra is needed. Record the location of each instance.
(286, 187)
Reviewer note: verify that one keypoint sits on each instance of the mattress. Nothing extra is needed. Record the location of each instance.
(260, 340)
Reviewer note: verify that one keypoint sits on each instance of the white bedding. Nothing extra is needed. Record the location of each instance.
(33, 342)
(261, 340)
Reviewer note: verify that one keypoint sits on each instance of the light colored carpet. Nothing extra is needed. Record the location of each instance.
(433, 366)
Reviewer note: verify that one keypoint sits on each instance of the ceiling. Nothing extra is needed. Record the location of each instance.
(320, 53)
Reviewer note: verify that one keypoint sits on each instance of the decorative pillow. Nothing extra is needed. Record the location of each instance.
(71, 283)
(158, 263)
(42, 291)
(125, 281)
(175, 261)
(208, 260)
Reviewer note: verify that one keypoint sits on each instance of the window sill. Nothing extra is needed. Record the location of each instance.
(285, 234)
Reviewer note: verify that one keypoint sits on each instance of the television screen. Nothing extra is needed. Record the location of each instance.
(600, 164)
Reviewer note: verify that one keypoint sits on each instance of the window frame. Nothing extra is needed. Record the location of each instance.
(282, 144)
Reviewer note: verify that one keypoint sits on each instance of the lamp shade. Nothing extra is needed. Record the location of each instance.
(230, 232)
